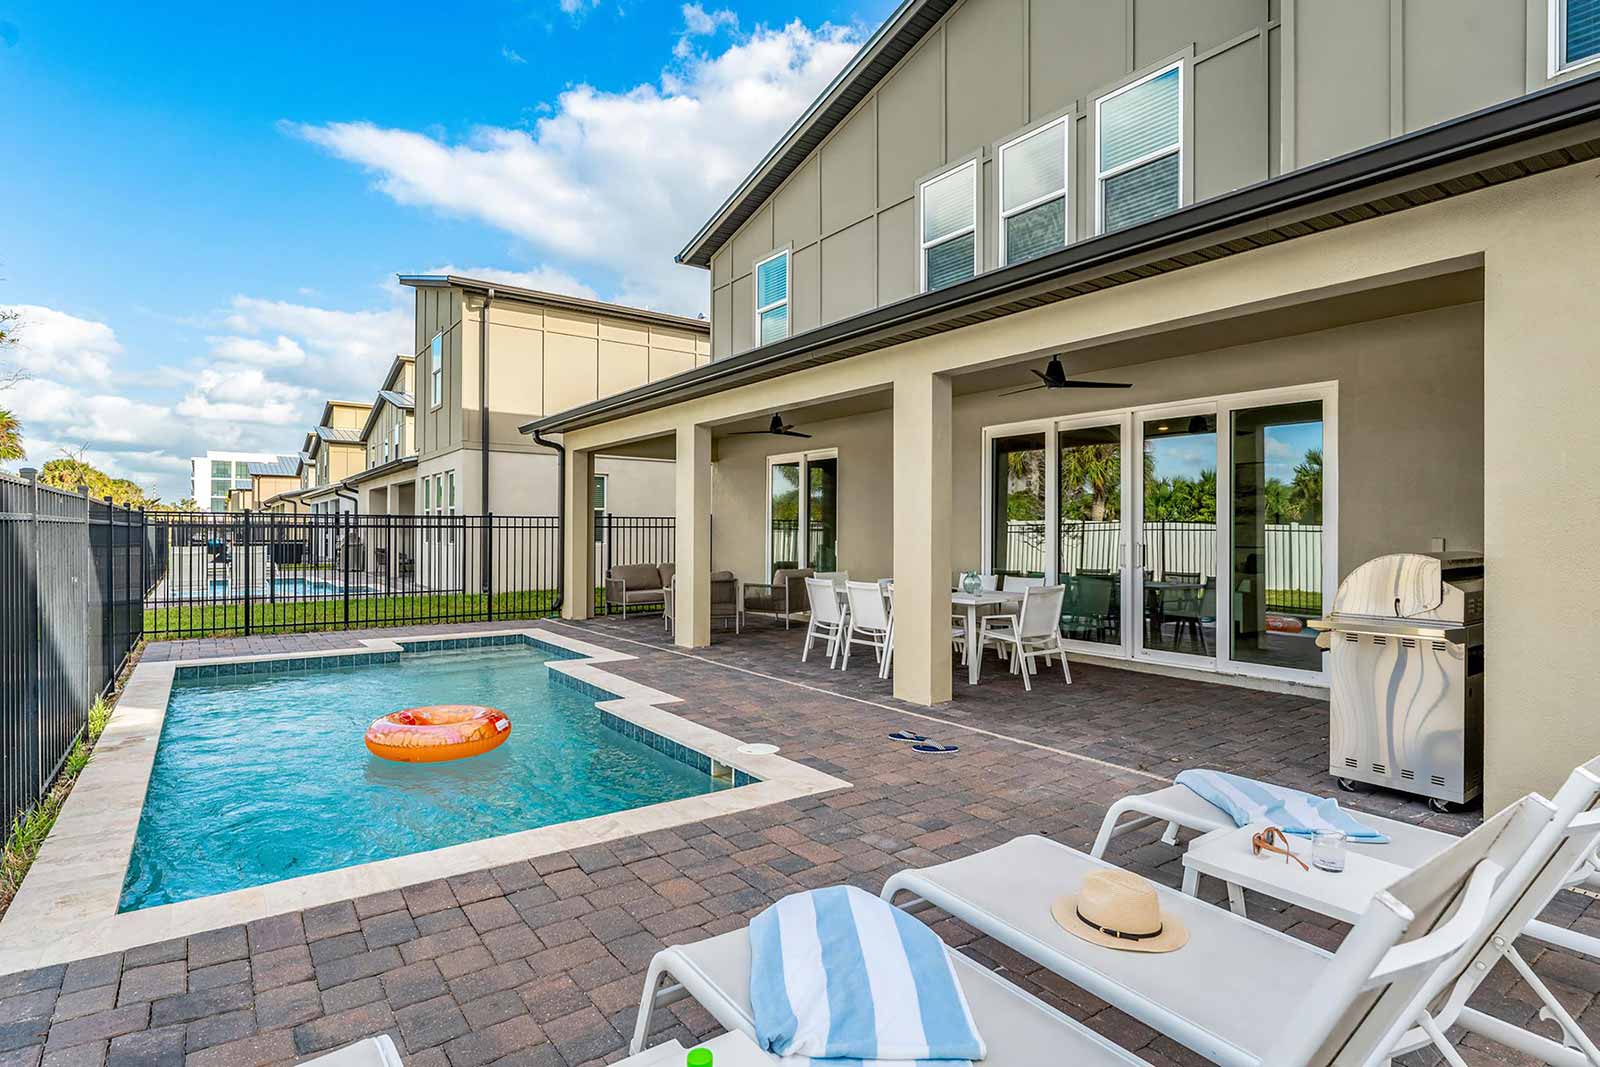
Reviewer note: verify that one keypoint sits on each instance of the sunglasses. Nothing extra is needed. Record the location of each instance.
(1274, 840)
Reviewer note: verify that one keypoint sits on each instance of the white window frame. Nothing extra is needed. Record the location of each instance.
(1066, 120)
(436, 371)
(803, 525)
(604, 481)
(1181, 149)
(395, 431)
(1557, 42)
(972, 162)
(788, 292)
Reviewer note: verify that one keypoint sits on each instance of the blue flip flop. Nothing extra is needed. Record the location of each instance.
(906, 735)
(936, 749)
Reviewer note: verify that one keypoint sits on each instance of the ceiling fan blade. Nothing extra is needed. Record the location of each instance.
(1071, 384)
(1025, 389)
(786, 432)
(745, 433)
(1041, 375)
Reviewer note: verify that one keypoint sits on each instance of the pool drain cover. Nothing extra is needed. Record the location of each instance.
(757, 750)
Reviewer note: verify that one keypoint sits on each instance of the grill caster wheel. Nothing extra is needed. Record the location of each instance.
(1443, 807)
(1350, 785)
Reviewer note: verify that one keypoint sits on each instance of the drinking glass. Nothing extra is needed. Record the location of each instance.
(1327, 851)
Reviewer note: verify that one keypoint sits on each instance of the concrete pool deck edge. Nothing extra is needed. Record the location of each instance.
(66, 908)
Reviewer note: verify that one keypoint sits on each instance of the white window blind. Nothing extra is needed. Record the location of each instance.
(1577, 32)
(950, 227)
(1033, 193)
(772, 298)
(1139, 150)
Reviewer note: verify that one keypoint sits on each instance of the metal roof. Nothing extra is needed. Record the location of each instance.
(339, 435)
(380, 470)
(403, 401)
(575, 303)
(1149, 249)
(897, 36)
(282, 467)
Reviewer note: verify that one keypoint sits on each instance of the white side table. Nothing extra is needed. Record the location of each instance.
(1225, 854)
(727, 1050)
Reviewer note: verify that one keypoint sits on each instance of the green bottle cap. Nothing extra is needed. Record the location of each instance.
(699, 1057)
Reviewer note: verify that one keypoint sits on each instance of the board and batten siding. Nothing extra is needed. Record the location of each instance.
(1271, 85)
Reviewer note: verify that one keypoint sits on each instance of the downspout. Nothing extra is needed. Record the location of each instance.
(561, 519)
(483, 432)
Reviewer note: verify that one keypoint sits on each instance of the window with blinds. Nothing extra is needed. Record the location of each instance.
(1575, 26)
(597, 500)
(1139, 150)
(772, 298)
(950, 227)
(436, 370)
(1033, 192)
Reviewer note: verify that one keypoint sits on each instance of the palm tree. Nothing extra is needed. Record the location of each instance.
(10, 436)
(1305, 490)
(1091, 481)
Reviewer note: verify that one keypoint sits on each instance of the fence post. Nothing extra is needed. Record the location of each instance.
(247, 583)
(144, 572)
(605, 575)
(33, 720)
(488, 565)
(343, 548)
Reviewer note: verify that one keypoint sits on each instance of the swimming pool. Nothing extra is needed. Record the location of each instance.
(286, 587)
(263, 776)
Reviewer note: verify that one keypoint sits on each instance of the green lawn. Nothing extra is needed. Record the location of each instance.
(174, 621)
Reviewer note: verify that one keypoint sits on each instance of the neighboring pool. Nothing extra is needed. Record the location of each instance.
(262, 777)
(287, 587)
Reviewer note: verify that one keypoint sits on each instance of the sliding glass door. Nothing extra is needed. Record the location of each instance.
(1176, 547)
(803, 526)
(1211, 551)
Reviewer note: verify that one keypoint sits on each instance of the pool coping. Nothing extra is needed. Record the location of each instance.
(66, 908)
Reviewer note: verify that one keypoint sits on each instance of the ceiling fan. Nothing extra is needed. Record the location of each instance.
(779, 428)
(1054, 377)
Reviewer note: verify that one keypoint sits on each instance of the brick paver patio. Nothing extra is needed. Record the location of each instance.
(542, 962)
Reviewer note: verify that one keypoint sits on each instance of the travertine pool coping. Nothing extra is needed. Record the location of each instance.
(66, 908)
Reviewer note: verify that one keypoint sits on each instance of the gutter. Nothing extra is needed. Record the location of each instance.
(483, 430)
(561, 519)
(1501, 125)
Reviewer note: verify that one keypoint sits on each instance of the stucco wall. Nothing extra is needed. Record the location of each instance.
(1410, 426)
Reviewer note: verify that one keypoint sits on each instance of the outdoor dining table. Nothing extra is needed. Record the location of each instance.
(972, 602)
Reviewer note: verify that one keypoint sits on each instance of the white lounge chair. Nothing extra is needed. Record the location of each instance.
(1244, 995)
(827, 617)
(1034, 631)
(1409, 845)
(1019, 1029)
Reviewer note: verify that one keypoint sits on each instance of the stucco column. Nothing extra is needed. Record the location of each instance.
(922, 522)
(691, 611)
(577, 557)
(1541, 505)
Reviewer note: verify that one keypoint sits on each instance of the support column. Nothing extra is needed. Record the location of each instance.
(577, 537)
(692, 602)
(922, 502)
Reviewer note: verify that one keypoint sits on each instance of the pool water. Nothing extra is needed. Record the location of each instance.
(264, 777)
(285, 587)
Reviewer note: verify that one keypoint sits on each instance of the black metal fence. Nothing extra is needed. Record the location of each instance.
(72, 578)
(248, 572)
(627, 539)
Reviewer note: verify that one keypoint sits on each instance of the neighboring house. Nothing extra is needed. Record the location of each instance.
(271, 481)
(1340, 254)
(214, 474)
(388, 484)
(335, 452)
(545, 352)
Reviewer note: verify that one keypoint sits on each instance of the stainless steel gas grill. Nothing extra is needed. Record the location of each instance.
(1406, 636)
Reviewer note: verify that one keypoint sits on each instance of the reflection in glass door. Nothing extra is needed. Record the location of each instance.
(1178, 538)
(783, 517)
(1091, 535)
(1019, 546)
(1277, 505)
(803, 525)
(822, 515)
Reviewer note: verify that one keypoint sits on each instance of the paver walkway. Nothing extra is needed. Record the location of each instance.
(542, 962)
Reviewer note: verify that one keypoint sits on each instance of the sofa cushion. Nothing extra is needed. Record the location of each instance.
(637, 576)
(667, 572)
(640, 596)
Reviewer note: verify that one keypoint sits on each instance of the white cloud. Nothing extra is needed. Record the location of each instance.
(615, 180)
(54, 343)
(576, 8)
(698, 22)
(545, 279)
(511, 55)
(281, 352)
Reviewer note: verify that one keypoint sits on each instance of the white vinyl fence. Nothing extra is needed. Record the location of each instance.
(1187, 549)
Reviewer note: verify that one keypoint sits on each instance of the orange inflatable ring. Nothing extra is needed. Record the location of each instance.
(440, 732)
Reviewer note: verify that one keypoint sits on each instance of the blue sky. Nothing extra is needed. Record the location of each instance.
(207, 204)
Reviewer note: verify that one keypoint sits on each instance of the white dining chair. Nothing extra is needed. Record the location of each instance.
(886, 587)
(868, 623)
(827, 618)
(1033, 631)
(1015, 583)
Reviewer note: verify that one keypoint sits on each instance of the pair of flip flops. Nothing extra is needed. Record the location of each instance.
(923, 744)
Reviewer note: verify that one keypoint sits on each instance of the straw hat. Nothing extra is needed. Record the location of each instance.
(1118, 909)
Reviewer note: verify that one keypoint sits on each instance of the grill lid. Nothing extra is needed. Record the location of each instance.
(1410, 585)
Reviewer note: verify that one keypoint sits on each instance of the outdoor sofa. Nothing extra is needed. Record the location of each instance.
(782, 598)
(638, 585)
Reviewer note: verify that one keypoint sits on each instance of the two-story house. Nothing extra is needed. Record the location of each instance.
(269, 481)
(387, 485)
(1191, 306)
(335, 452)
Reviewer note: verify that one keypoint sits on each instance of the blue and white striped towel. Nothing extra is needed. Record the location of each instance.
(1247, 800)
(838, 977)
